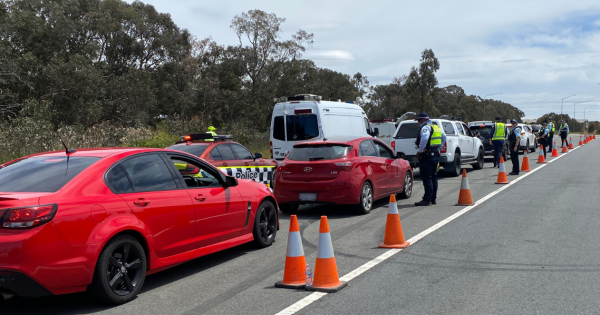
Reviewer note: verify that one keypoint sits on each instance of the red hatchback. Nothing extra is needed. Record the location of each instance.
(231, 157)
(341, 171)
(102, 219)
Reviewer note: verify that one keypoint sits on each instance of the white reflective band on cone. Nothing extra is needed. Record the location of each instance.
(464, 184)
(294, 248)
(324, 248)
(525, 153)
(502, 169)
(542, 151)
(393, 208)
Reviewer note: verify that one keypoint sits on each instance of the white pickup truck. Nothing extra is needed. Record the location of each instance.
(462, 145)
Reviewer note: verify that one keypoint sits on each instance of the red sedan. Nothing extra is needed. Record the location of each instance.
(341, 171)
(102, 219)
(231, 157)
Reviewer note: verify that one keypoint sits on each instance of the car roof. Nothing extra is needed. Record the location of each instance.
(334, 140)
(95, 152)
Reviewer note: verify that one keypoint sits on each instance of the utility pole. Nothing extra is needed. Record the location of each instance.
(484, 102)
(562, 103)
(574, 107)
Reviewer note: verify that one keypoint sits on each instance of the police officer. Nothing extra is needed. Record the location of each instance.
(514, 140)
(211, 131)
(543, 138)
(550, 133)
(564, 132)
(429, 141)
(497, 140)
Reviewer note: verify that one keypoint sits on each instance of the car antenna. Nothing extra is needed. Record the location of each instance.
(67, 151)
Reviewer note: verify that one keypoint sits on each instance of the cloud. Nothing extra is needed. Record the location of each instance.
(335, 55)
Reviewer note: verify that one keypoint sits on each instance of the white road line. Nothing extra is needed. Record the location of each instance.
(391, 252)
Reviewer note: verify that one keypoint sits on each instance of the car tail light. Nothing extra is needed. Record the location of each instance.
(344, 166)
(27, 217)
(444, 148)
(282, 166)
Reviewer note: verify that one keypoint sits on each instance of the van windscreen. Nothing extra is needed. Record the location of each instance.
(299, 127)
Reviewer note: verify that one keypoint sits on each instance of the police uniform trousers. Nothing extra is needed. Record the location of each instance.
(498, 147)
(563, 138)
(550, 140)
(428, 162)
(544, 142)
(514, 157)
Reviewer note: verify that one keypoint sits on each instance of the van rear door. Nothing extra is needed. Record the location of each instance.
(300, 123)
(405, 139)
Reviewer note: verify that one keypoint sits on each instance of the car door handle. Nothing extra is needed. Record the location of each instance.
(224, 164)
(200, 197)
(246, 164)
(141, 202)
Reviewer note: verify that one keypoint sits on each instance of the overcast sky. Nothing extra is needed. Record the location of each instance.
(533, 52)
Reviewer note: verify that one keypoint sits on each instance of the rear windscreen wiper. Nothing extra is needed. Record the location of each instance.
(316, 158)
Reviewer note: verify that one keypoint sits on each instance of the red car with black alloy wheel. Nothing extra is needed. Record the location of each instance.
(102, 219)
(341, 171)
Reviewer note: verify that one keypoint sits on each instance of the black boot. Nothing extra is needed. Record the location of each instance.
(433, 201)
(423, 203)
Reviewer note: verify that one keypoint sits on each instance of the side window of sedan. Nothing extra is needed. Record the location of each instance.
(367, 149)
(195, 174)
(149, 173)
(222, 152)
(383, 151)
(118, 181)
(241, 152)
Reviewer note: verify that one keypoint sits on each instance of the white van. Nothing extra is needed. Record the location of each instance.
(307, 117)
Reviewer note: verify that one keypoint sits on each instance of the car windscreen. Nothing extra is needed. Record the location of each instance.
(42, 174)
(299, 127)
(195, 149)
(410, 130)
(484, 131)
(319, 152)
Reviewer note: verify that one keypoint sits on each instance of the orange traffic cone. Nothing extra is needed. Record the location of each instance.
(326, 277)
(580, 142)
(554, 150)
(541, 158)
(394, 238)
(570, 143)
(464, 197)
(294, 275)
(502, 179)
(564, 147)
(525, 166)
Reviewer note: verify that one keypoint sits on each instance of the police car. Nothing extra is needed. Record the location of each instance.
(230, 157)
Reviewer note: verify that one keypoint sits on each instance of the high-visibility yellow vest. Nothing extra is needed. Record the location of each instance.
(212, 133)
(551, 126)
(435, 140)
(498, 132)
(563, 127)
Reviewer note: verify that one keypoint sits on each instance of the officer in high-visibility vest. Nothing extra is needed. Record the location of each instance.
(211, 131)
(544, 139)
(497, 140)
(514, 140)
(429, 142)
(550, 133)
(564, 132)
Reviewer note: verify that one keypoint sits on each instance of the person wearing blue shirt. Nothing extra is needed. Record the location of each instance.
(514, 140)
(430, 140)
(564, 132)
(544, 140)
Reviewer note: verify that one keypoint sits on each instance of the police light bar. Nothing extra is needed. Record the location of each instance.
(205, 136)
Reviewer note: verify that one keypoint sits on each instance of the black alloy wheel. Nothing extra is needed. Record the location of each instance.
(120, 271)
(265, 224)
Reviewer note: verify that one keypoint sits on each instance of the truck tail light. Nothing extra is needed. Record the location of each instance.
(444, 148)
(394, 145)
(271, 145)
(344, 166)
(27, 217)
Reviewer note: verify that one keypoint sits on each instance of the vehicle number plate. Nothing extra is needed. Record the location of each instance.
(308, 196)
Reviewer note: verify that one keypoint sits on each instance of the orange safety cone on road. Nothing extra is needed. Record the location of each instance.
(580, 142)
(570, 143)
(541, 158)
(554, 150)
(394, 238)
(464, 197)
(326, 278)
(294, 275)
(564, 147)
(525, 164)
(502, 179)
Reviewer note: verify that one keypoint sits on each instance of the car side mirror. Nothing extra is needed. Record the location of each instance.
(231, 181)
(258, 155)
(400, 155)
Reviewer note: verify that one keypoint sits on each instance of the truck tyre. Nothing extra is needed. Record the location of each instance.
(480, 161)
(455, 168)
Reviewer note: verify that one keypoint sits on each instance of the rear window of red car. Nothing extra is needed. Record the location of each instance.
(42, 174)
(194, 149)
(319, 152)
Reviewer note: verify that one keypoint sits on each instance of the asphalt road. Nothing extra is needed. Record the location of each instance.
(532, 248)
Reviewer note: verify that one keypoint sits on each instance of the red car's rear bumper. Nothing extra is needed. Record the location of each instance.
(336, 191)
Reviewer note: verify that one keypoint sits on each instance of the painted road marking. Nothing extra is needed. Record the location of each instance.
(292, 309)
